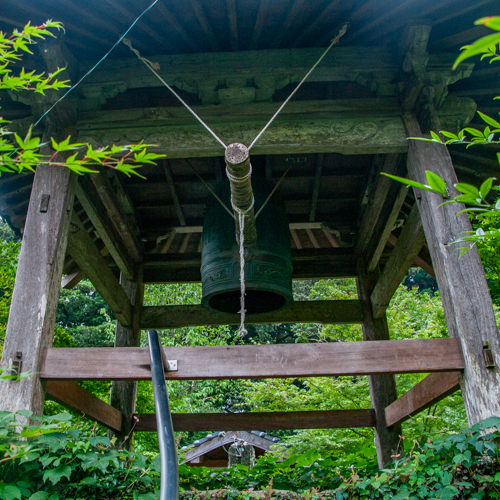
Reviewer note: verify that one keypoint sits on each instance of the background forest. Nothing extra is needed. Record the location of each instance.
(84, 320)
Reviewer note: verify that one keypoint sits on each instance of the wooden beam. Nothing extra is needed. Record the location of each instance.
(101, 220)
(205, 25)
(295, 10)
(401, 258)
(317, 311)
(173, 192)
(463, 288)
(387, 224)
(259, 361)
(377, 206)
(71, 280)
(112, 205)
(259, 24)
(76, 398)
(233, 24)
(308, 263)
(377, 123)
(317, 183)
(279, 420)
(421, 260)
(428, 392)
(85, 253)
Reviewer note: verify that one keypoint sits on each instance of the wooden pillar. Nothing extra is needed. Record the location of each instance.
(124, 393)
(32, 315)
(382, 387)
(466, 299)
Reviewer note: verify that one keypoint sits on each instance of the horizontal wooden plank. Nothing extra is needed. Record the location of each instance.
(282, 420)
(307, 264)
(257, 361)
(428, 392)
(318, 311)
(76, 398)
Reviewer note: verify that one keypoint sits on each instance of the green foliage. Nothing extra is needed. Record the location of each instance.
(59, 462)
(484, 210)
(464, 465)
(24, 152)
(9, 253)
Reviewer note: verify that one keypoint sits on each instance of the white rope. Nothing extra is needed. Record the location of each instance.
(333, 42)
(149, 64)
(242, 331)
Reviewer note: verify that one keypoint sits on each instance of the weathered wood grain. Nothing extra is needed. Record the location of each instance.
(317, 311)
(466, 299)
(382, 386)
(401, 258)
(307, 264)
(280, 420)
(36, 291)
(85, 253)
(76, 398)
(112, 205)
(100, 218)
(428, 392)
(260, 361)
(123, 394)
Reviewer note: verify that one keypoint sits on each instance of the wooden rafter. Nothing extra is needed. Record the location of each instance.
(421, 260)
(259, 24)
(205, 25)
(173, 192)
(316, 186)
(233, 23)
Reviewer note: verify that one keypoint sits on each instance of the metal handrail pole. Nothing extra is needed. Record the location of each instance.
(169, 487)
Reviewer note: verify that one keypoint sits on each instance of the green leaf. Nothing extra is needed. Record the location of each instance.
(435, 182)
(474, 132)
(489, 120)
(492, 22)
(486, 188)
(39, 495)
(10, 493)
(55, 475)
(477, 47)
(411, 183)
(436, 137)
(468, 189)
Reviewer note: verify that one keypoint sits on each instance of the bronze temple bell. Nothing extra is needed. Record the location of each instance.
(268, 260)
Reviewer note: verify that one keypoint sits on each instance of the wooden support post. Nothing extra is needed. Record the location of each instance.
(466, 299)
(428, 392)
(124, 393)
(32, 316)
(38, 281)
(402, 257)
(382, 387)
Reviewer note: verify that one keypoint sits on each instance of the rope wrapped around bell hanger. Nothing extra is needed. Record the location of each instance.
(239, 173)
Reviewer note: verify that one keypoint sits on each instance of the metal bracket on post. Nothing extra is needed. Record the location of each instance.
(489, 360)
(17, 364)
(171, 365)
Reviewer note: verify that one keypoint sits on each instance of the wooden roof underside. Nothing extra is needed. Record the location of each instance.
(338, 128)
